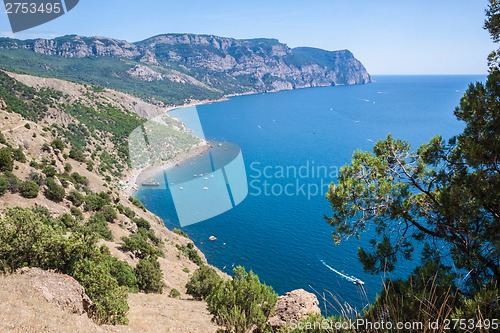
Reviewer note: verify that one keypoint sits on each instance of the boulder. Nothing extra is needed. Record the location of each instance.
(59, 289)
(294, 305)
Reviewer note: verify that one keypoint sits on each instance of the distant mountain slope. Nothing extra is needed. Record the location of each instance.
(179, 68)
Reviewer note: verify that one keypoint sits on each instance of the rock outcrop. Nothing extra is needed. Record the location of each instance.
(293, 306)
(231, 66)
(58, 289)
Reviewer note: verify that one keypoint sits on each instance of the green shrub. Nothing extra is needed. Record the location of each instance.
(76, 213)
(203, 281)
(142, 223)
(68, 167)
(174, 293)
(180, 232)
(96, 201)
(76, 198)
(149, 276)
(428, 295)
(54, 192)
(18, 155)
(37, 178)
(13, 182)
(97, 223)
(109, 213)
(186, 270)
(90, 165)
(49, 171)
(77, 155)
(137, 203)
(6, 162)
(29, 189)
(67, 220)
(4, 184)
(28, 238)
(76, 178)
(126, 211)
(190, 252)
(58, 144)
(154, 239)
(110, 299)
(34, 164)
(2, 139)
(242, 304)
(123, 273)
(27, 126)
(139, 245)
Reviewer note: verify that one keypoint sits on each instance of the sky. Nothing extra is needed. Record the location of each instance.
(387, 36)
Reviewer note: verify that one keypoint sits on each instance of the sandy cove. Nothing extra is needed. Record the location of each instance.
(136, 177)
(129, 183)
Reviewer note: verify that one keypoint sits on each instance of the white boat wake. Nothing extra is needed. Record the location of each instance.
(352, 279)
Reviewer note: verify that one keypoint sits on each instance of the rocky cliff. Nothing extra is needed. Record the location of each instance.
(220, 65)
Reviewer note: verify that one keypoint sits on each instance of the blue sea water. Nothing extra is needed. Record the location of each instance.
(297, 140)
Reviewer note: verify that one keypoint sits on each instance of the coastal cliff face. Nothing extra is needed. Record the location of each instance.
(216, 66)
(256, 64)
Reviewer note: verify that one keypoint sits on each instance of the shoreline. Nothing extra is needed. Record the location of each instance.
(225, 98)
(129, 183)
(136, 177)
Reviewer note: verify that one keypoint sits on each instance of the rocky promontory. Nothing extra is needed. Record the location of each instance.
(185, 66)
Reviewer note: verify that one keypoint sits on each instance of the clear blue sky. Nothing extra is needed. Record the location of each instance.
(388, 36)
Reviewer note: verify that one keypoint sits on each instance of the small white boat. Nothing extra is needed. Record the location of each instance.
(181, 188)
(205, 188)
(206, 178)
(358, 282)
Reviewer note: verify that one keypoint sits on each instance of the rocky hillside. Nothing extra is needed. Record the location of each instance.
(77, 254)
(179, 68)
(56, 191)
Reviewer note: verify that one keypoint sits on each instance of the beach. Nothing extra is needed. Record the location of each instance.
(133, 178)
(136, 177)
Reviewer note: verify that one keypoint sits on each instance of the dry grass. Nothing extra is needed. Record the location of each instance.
(24, 309)
(160, 313)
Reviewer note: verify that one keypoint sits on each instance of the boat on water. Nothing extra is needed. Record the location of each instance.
(358, 282)
(150, 183)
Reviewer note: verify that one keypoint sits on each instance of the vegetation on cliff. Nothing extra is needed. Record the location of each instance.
(446, 196)
(178, 68)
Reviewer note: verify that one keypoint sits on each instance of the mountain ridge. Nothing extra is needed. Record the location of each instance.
(180, 68)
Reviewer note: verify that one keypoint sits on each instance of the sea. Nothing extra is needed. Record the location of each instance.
(293, 145)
